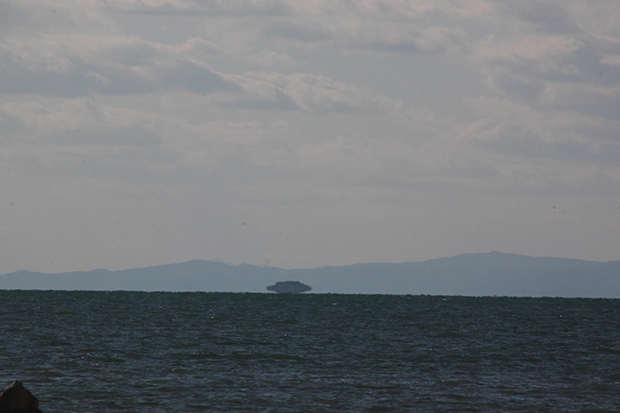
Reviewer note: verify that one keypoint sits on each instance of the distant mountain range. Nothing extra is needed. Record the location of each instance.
(483, 274)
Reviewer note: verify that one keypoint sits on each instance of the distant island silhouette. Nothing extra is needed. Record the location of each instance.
(480, 274)
(289, 287)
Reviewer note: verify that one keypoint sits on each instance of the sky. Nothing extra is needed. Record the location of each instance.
(306, 133)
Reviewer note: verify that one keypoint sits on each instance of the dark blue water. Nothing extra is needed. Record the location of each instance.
(201, 352)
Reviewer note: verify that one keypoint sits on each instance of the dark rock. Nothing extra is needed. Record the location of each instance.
(16, 399)
(289, 287)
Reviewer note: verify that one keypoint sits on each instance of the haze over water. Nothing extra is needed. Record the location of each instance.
(199, 352)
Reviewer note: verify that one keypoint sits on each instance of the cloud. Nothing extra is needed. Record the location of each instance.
(540, 66)
(549, 121)
(538, 152)
(195, 78)
(613, 61)
(298, 32)
(11, 126)
(306, 92)
(537, 49)
(79, 80)
(60, 66)
(522, 68)
(550, 17)
(79, 122)
(211, 8)
(408, 41)
(134, 135)
(10, 15)
(592, 100)
(599, 20)
(518, 142)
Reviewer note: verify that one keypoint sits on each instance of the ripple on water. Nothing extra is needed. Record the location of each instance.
(197, 352)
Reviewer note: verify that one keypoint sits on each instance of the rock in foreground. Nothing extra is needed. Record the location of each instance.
(289, 287)
(16, 399)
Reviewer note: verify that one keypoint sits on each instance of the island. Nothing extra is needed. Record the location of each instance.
(289, 287)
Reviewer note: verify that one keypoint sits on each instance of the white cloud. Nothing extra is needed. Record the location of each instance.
(613, 61)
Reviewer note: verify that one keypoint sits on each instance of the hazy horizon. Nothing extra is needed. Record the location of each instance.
(263, 265)
(483, 274)
(306, 134)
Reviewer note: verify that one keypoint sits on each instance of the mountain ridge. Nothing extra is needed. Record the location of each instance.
(492, 273)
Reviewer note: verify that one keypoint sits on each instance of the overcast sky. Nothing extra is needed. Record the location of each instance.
(306, 133)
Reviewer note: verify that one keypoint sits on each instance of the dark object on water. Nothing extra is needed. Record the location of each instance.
(16, 399)
(289, 287)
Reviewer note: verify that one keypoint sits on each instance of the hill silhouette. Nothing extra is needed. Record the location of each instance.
(481, 274)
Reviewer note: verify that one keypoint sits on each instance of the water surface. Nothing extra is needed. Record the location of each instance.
(201, 352)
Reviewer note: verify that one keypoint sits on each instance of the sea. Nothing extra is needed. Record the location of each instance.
(227, 352)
